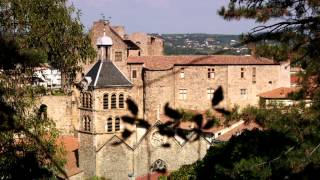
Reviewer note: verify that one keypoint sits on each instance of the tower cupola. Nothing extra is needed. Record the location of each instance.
(104, 44)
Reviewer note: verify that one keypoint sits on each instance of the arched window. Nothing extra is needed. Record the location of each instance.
(117, 124)
(89, 101)
(109, 125)
(159, 166)
(121, 101)
(106, 101)
(113, 101)
(87, 123)
(42, 113)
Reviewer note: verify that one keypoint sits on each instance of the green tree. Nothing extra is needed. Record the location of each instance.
(294, 35)
(48, 29)
(34, 32)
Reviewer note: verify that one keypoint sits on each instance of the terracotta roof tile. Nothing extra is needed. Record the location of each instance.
(71, 144)
(279, 93)
(239, 129)
(167, 62)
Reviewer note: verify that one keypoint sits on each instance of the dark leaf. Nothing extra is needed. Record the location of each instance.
(218, 96)
(166, 131)
(126, 134)
(132, 107)
(144, 124)
(166, 145)
(198, 119)
(182, 133)
(209, 124)
(128, 119)
(223, 111)
(116, 143)
(174, 114)
(169, 123)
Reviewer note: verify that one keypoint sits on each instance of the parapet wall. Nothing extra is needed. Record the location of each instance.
(64, 112)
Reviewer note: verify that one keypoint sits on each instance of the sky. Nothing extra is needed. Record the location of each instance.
(162, 16)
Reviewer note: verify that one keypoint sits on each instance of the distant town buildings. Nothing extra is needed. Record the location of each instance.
(47, 77)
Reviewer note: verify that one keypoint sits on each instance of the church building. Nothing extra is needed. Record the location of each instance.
(135, 67)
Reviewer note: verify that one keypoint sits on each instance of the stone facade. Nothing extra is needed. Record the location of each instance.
(64, 112)
(183, 82)
(150, 45)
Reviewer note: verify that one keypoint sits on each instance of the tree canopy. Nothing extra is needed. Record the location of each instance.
(33, 32)
(293, 27)
(47, 30)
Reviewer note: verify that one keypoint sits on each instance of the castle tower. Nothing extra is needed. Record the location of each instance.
(105, 90)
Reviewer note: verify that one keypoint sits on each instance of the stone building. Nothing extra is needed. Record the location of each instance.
(151, 81)
(133, 66)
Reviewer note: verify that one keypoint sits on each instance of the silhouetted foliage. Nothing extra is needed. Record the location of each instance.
(132, 107)
(218, 96)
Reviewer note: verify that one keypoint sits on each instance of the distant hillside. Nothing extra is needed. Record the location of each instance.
(202, 44)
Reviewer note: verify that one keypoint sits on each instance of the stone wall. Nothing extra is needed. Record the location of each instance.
(136, 93)
(64, 112)
(114, 162)
(267, 78)
(196, 82)
(150, 46)
(159, 90)
(117, 162)
(87, 154)
(165, 86)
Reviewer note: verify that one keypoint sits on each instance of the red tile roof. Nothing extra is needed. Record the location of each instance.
(279, 93)
(294, 79)
(166, 62)
(152, 176)
(70, 144)
(237, 130)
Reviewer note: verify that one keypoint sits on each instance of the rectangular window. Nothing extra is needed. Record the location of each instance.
(243, 92)
(254, 71)
(210, 73)
(182, 73)
(182, 94)
(118, 56)
(210, 93)
(134, 73)
(242, 73)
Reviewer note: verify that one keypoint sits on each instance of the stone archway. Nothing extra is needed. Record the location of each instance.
(159, 166)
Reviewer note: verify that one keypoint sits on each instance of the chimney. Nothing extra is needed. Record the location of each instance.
(119, 30)
(253, 48)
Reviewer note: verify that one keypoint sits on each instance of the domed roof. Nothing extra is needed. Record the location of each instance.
(104, 41)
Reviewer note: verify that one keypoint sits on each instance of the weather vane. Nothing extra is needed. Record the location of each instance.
(104, 18)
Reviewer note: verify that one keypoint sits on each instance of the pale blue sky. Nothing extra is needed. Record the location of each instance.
(162, 16)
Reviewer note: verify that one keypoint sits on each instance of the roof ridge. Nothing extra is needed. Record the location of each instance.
(98, 73)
